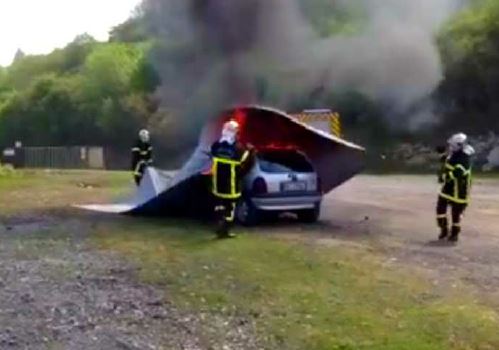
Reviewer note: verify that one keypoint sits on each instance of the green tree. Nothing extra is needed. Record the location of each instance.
(145, 78)
(133, 30)
(117, 83)
(109, 69)
(76, 53)
(3, 79)
(469, 46)
(24, 70)
(45, 114)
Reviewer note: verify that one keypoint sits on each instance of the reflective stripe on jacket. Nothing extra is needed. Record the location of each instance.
(141, 153)
(457, 178)
(228, 169)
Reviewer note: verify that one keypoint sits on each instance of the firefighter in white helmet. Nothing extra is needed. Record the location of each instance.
(231, 162)
(455, 177)
(141, 155)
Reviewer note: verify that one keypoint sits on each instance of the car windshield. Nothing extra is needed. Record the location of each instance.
(284, 162)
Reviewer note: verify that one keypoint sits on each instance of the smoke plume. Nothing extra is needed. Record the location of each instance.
(216, 53)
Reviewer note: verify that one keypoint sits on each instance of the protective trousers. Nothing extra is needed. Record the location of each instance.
(139, 170)
(457, 211)
(225, 212)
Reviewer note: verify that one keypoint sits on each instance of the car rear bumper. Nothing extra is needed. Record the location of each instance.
(286, 203)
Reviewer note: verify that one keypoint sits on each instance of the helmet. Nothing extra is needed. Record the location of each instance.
(231, 126)
(457, 142)
(144, 135)
(230, 131)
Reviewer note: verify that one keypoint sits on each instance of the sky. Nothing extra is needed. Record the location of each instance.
(40, 26)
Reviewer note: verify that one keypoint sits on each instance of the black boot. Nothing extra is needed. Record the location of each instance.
(444, 232)
(454, 237)
(444, 228)
(222, 230)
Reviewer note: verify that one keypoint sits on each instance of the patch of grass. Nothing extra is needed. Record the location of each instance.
(302, 297)
(41, 189)
(6, 171)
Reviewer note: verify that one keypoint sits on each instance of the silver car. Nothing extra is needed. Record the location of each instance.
(281, 180)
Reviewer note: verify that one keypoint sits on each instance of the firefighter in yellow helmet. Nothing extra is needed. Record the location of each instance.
(141, 155)
(455, 177)
(231, 162)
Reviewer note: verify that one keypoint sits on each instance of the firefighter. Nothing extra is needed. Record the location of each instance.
(231, 162)
(141, 155)
(456, 185)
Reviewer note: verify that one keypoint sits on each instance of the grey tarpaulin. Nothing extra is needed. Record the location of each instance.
(187, 192)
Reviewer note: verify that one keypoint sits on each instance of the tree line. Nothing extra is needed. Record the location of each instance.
(101, 93)
(469, 45)
(88, 92)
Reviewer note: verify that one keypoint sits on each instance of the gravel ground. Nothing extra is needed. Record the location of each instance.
(58, 293)
(396, 215)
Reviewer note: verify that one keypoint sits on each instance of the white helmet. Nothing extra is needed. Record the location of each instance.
(457, 142)
(144, 135)
(230, 131)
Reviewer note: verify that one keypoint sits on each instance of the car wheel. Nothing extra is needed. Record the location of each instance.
(310, 216)
(246, 213)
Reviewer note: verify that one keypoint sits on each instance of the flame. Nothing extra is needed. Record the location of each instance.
(240, 117)
(247, 133)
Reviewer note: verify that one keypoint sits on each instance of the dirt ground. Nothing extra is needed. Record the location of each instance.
(396, 215)
(57, 292)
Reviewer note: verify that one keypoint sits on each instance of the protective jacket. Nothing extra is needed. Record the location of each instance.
(231, 162)
(141, 156)
(456, 178)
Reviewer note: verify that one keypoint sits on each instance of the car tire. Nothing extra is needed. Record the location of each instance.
(247, 214)
(310, 216)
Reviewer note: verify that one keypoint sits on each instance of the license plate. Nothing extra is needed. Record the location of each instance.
(294, 186)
